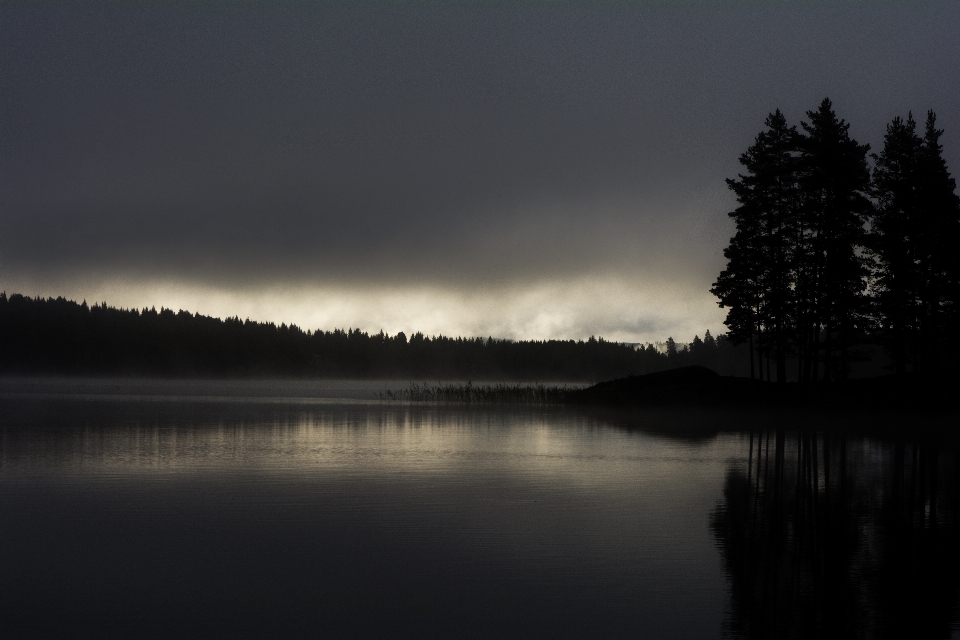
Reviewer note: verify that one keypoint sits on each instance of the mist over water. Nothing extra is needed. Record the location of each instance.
(184, 514)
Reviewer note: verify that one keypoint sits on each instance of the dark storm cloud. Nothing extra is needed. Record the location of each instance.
(442, 145)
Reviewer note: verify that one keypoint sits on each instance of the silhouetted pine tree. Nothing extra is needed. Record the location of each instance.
(672, 350)
(756, 285)
(896, 239)
(940, 313)
(835, 182)
(913, 240)
(738, 286)
(710, 355)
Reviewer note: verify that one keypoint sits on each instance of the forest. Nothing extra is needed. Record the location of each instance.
(832, 259)
(55, 336)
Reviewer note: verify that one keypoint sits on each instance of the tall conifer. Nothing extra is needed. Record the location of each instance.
(896, 239)
(756, 285)
(835, 181)
(941, 274)
(913, 238)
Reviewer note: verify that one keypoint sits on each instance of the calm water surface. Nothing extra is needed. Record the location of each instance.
(161, 509)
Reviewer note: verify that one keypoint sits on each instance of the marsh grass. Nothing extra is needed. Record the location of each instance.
(468, 393)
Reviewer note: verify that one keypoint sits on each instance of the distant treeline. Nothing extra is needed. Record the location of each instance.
(61, 337)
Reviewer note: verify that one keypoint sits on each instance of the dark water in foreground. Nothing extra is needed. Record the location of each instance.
(165, 511)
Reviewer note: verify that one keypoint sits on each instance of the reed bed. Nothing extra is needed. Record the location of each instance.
(468, 393)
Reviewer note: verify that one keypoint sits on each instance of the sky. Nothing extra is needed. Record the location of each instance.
(523, 170)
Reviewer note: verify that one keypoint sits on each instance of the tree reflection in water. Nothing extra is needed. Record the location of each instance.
(830, 536)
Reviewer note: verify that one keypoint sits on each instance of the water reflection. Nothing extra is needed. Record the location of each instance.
(273, 519)
(131, 438)
(838, 536)
(206, 519)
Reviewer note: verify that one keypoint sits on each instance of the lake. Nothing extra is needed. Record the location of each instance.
(311, 509)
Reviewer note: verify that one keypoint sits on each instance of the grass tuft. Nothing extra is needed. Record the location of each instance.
(469, 393)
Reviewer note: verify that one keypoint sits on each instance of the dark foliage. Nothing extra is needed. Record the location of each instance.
(828, 260)
(58, 336)
(913, 241)
(763, 255)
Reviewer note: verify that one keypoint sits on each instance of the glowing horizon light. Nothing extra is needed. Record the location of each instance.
(611, 308)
